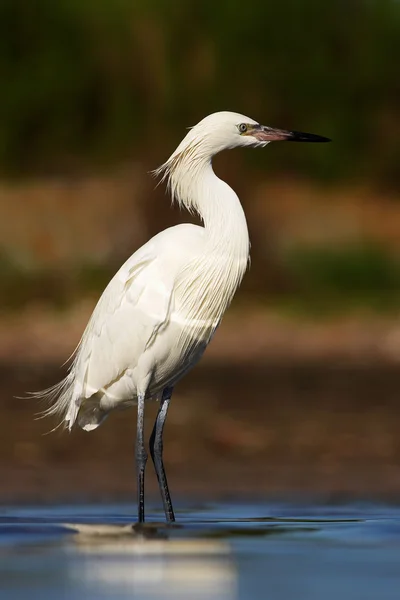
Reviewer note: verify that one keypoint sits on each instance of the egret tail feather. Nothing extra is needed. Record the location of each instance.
(60, 401)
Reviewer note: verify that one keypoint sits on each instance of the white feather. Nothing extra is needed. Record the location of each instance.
(159, 312)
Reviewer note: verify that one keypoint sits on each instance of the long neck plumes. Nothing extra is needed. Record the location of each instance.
(217, 272)
(194, 185)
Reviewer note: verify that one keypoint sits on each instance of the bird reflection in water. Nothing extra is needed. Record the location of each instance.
(144, 562)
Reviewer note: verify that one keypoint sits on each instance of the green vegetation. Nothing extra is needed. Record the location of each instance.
(332, 279)
(100, 80)
(349, 269)
(58, 288)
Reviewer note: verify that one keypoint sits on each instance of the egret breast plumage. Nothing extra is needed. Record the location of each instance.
(157, 315)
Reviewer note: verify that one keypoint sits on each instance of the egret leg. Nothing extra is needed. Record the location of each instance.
(141, 457)
(156, 451)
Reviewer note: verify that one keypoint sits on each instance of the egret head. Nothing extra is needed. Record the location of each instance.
(254, 134)
(224, 130)
(216, 132)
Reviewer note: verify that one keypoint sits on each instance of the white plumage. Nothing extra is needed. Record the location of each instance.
(159, 312)
(157, 315)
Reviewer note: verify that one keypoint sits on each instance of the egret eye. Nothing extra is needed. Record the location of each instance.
(242, 127)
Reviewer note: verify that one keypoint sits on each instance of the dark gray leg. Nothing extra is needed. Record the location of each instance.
(141, 458)
(156, 450)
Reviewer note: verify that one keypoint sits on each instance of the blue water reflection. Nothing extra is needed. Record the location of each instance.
(221, 551)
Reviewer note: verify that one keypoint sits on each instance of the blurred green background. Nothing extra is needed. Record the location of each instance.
(89, 87)
(96, 94)
(106, 80)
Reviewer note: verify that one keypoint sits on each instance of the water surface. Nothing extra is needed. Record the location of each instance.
(221, 551)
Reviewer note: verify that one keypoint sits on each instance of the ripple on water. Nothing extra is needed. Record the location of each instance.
(224, 551)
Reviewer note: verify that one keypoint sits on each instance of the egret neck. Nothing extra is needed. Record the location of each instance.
(224, 259)
(200, 190)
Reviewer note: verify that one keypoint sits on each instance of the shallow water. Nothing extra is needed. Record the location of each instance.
(220, 551)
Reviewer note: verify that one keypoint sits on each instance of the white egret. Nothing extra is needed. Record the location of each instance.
(160, 311)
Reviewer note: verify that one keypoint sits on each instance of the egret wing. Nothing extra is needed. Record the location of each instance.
(133, 308)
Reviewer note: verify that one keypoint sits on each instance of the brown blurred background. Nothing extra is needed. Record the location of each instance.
(299, 390)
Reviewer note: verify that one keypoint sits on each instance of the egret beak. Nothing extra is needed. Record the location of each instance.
(268, 134)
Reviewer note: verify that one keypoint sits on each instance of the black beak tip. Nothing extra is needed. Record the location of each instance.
(298, 136)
